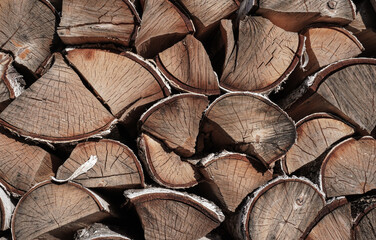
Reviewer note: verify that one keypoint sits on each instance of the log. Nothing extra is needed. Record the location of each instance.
(278, 53)
(365, 224)
(98, 231)
(164, 166)
(162, 25)
(117, 166)
(57, 108)
(232, 176)
(349, 168)
(252, 124)
(100, 21)
(29, 43)
(48, 212)
(176, 121)
(334, 222)
(168, 214)
(316, 134)
(6, 209)
(187, 67)
(295, 15)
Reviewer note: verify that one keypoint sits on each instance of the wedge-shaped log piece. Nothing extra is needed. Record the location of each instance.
(282, 209)
(349, 168)
(316, 133)
(6, 209)
(251, 123)
(98, 21)
(116, 167)
(22, 165)
(98, 231)
(176, 121)
(57, 108)
(188, 67)
(232, 176)
(50, 211)
(346, 88)
(365, 223)
(125, 82)
(293, 15)
(273, 54)
(334, 222)
(30, 32)
(168, 214)
(162, 25)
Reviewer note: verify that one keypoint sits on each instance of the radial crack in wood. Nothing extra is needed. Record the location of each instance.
(349, 168)
(364, 226)
(48, 212)
(117, 167)
(168, 214)
(6, 209)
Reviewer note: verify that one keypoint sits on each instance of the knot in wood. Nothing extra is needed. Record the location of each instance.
(300, 200)
(332, 4)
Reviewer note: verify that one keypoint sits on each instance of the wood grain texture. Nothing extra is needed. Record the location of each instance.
(98, 21)
(273, 54)
(349, 168)
(316, 134)
(47, 211)
(364, 227)
(117, 166)
(29, 35)
(187, 67)
(253, 123)
(176, 121)
(57, 108)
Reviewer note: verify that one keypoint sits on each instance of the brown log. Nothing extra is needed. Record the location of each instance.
(98, 231)
(316, 133)
(50, 211)
(162, 25)
(6, 209)
(251, 123)
(349, 168)
(57, 108)
(232, 176)
(294, 15)
(273, 55)
(117, 166)
(164, 166)
(30, 32)
(188, 68)
(101, 21)
(168, 214)
(364, 226)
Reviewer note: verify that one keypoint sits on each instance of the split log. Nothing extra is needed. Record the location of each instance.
(57, 108)
(168, 214)
(176, 121)
(316, 134)
(30, 33)
(364, 226)
(294, 15)
(98, 21)
(334, 222)
(349, 168)
(232, 177)
(98, 231)
(162, 25)
(6, 209)
(251, 123)
(188, 68)
(164, 166)
(273, 55)
(345, 88)
(126, 83)
(48, 212)
(282, 209)
(116, 168)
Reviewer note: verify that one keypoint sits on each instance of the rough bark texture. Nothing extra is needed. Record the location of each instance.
(6, 209)
(98, 231)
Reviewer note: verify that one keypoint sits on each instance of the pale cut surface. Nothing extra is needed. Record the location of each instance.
(116, 167)
(349, 168)
(364, 228)
(188, 67)
(166, 167)
(265, 54)
(176, 121)
(97, 21)
(57, 108)
(123, 82)
(27, 29)
(315, 136)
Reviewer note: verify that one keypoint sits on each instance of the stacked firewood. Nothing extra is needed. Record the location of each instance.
(188, 119)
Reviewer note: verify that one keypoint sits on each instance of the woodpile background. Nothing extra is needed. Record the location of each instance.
(187, 119)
